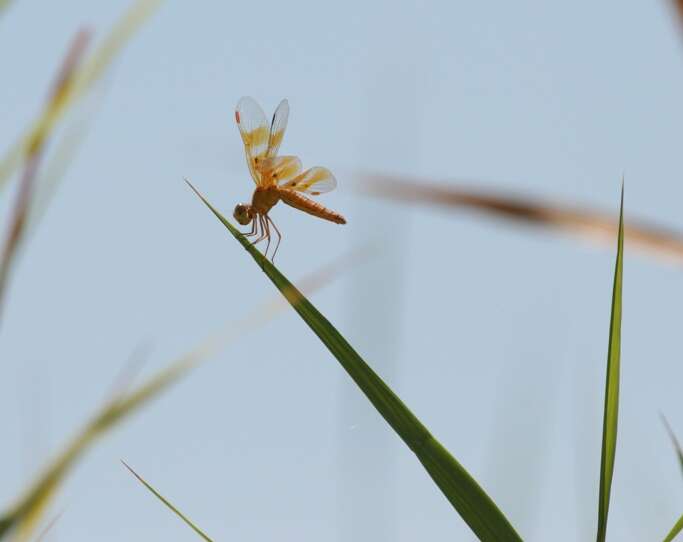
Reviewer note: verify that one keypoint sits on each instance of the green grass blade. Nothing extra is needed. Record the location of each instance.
(611, 412)
(461, 490)
(675, 530)
(168, 504)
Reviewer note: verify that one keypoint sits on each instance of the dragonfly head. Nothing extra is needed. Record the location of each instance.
(243, 213)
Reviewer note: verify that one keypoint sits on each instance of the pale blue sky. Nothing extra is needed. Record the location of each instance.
(495, 336)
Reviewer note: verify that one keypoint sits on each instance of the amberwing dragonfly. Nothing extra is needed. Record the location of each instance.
(276, 177)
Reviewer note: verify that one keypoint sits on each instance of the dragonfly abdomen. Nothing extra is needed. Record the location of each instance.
(301, 202)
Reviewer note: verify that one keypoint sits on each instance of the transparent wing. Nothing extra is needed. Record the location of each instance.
(251, 121)
(314, 181)
(278, 169)
(278, 127)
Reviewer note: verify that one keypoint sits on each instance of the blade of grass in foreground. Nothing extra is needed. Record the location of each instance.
(168, 504)
(25, 514)
(611, 412)
(461, 490)
(675, 530)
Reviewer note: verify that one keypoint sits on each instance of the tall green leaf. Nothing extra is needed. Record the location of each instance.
(611, 412)
(461, 490)
(167, 503)
(675, 530)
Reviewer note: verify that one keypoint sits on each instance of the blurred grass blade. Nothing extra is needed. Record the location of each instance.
(592, 225)
(22, 207)
(122, 32)
(90, 72)
(462, 491)
(678, 7)
(675, 530)
(4, 4)
(65, 150)
(674, 441)
(24, 516)
(611, 412)
(168, 504)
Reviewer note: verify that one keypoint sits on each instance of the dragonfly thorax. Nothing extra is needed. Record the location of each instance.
(264, 199)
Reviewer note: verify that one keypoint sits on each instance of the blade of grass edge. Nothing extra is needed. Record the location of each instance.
(475, 507)
(677, 528)
(611, 409)
(167, 503)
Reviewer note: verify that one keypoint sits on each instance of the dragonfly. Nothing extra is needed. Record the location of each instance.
(277, 178)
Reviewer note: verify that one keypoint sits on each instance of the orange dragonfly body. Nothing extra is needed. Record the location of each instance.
(276, 177)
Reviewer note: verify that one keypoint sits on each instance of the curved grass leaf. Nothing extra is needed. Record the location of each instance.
(675, 530)
(611, 411)
(168, 504)
(461, 490)
(590, 224)
(91, 71)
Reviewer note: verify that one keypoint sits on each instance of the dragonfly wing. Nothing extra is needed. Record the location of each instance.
(277, 128)
(279, 169)
(251, 121)
(314, 181)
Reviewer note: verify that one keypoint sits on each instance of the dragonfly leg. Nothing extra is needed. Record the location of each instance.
(262, 236)
(266, 220)
(264, 230)
(252, 231)
(279, 238)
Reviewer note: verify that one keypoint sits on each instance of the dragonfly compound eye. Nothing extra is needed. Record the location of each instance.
(242, 214)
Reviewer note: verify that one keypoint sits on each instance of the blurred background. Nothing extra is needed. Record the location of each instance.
(494, 335)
